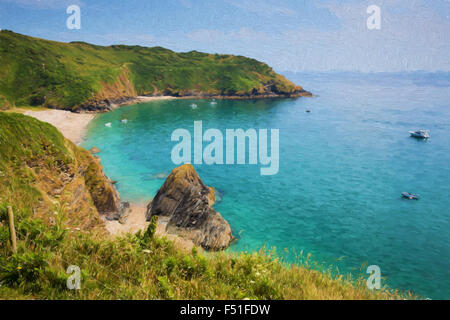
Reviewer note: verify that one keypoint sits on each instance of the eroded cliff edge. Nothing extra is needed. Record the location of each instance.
(43, 172)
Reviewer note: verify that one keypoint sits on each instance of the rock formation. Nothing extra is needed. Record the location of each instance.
(184, 203)
(104, 194)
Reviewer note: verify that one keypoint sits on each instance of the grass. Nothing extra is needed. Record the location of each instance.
(42, 172)
(143, 266)
(38, 72)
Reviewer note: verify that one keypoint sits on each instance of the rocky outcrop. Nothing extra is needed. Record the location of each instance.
(184, 204)
(104, 194)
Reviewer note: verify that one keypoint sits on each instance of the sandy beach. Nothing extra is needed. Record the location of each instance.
(142, 99)
(71, 125)
(136, 221)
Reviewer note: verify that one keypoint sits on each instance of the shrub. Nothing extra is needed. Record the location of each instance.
(23, 270)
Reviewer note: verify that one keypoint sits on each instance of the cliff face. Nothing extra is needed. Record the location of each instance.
(184, 203)
(83, 77)
(42, 171)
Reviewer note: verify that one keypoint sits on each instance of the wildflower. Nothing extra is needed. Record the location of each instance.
(19, 268)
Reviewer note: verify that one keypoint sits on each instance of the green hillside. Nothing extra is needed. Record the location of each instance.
(73, 76)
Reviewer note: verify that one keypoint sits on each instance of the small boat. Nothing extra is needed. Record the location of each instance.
(124, 120)
(193, 106)
(108, 124)
(420, 134)
(410, 196)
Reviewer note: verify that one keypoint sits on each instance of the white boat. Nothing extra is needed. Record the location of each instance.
(420, 134)
(108, 124)
(410, 196)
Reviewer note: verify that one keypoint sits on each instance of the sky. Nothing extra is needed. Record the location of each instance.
(289, 35)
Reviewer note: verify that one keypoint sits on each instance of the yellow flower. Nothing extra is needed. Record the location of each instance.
(19, 268)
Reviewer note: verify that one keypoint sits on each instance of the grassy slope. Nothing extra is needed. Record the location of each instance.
(133, 267)
(68, 75)
(42, 172)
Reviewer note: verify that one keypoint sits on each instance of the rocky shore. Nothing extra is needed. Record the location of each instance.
(106, 105)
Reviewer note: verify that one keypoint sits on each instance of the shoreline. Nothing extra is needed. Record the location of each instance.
(109, 105)
(136, 221)
(73, 126)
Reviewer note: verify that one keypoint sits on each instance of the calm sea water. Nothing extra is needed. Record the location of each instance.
(342, 169)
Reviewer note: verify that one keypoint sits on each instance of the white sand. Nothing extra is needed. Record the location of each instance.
(71, 125)
(148, 99)
(136, 221)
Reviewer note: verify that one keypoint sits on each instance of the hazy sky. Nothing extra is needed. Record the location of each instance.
(290, 35)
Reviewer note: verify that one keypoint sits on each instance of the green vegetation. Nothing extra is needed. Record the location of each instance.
(56, 230)
(42, 172)
(143, 266)
(27, 147)
(35, 72)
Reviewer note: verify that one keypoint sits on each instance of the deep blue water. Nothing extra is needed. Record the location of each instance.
(342, 169)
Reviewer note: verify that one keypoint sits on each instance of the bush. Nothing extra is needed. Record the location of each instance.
(23, 270)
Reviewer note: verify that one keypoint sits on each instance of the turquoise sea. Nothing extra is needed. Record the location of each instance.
(342, 169)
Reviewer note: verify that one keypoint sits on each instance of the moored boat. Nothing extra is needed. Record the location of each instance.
(410, 196)
(420, 134)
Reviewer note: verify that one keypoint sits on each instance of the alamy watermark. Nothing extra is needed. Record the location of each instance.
(73, 22)
(235, 150)
(374, 280)
(374, 20)
(74, 280)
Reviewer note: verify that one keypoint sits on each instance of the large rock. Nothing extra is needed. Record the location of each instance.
(184, 203)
